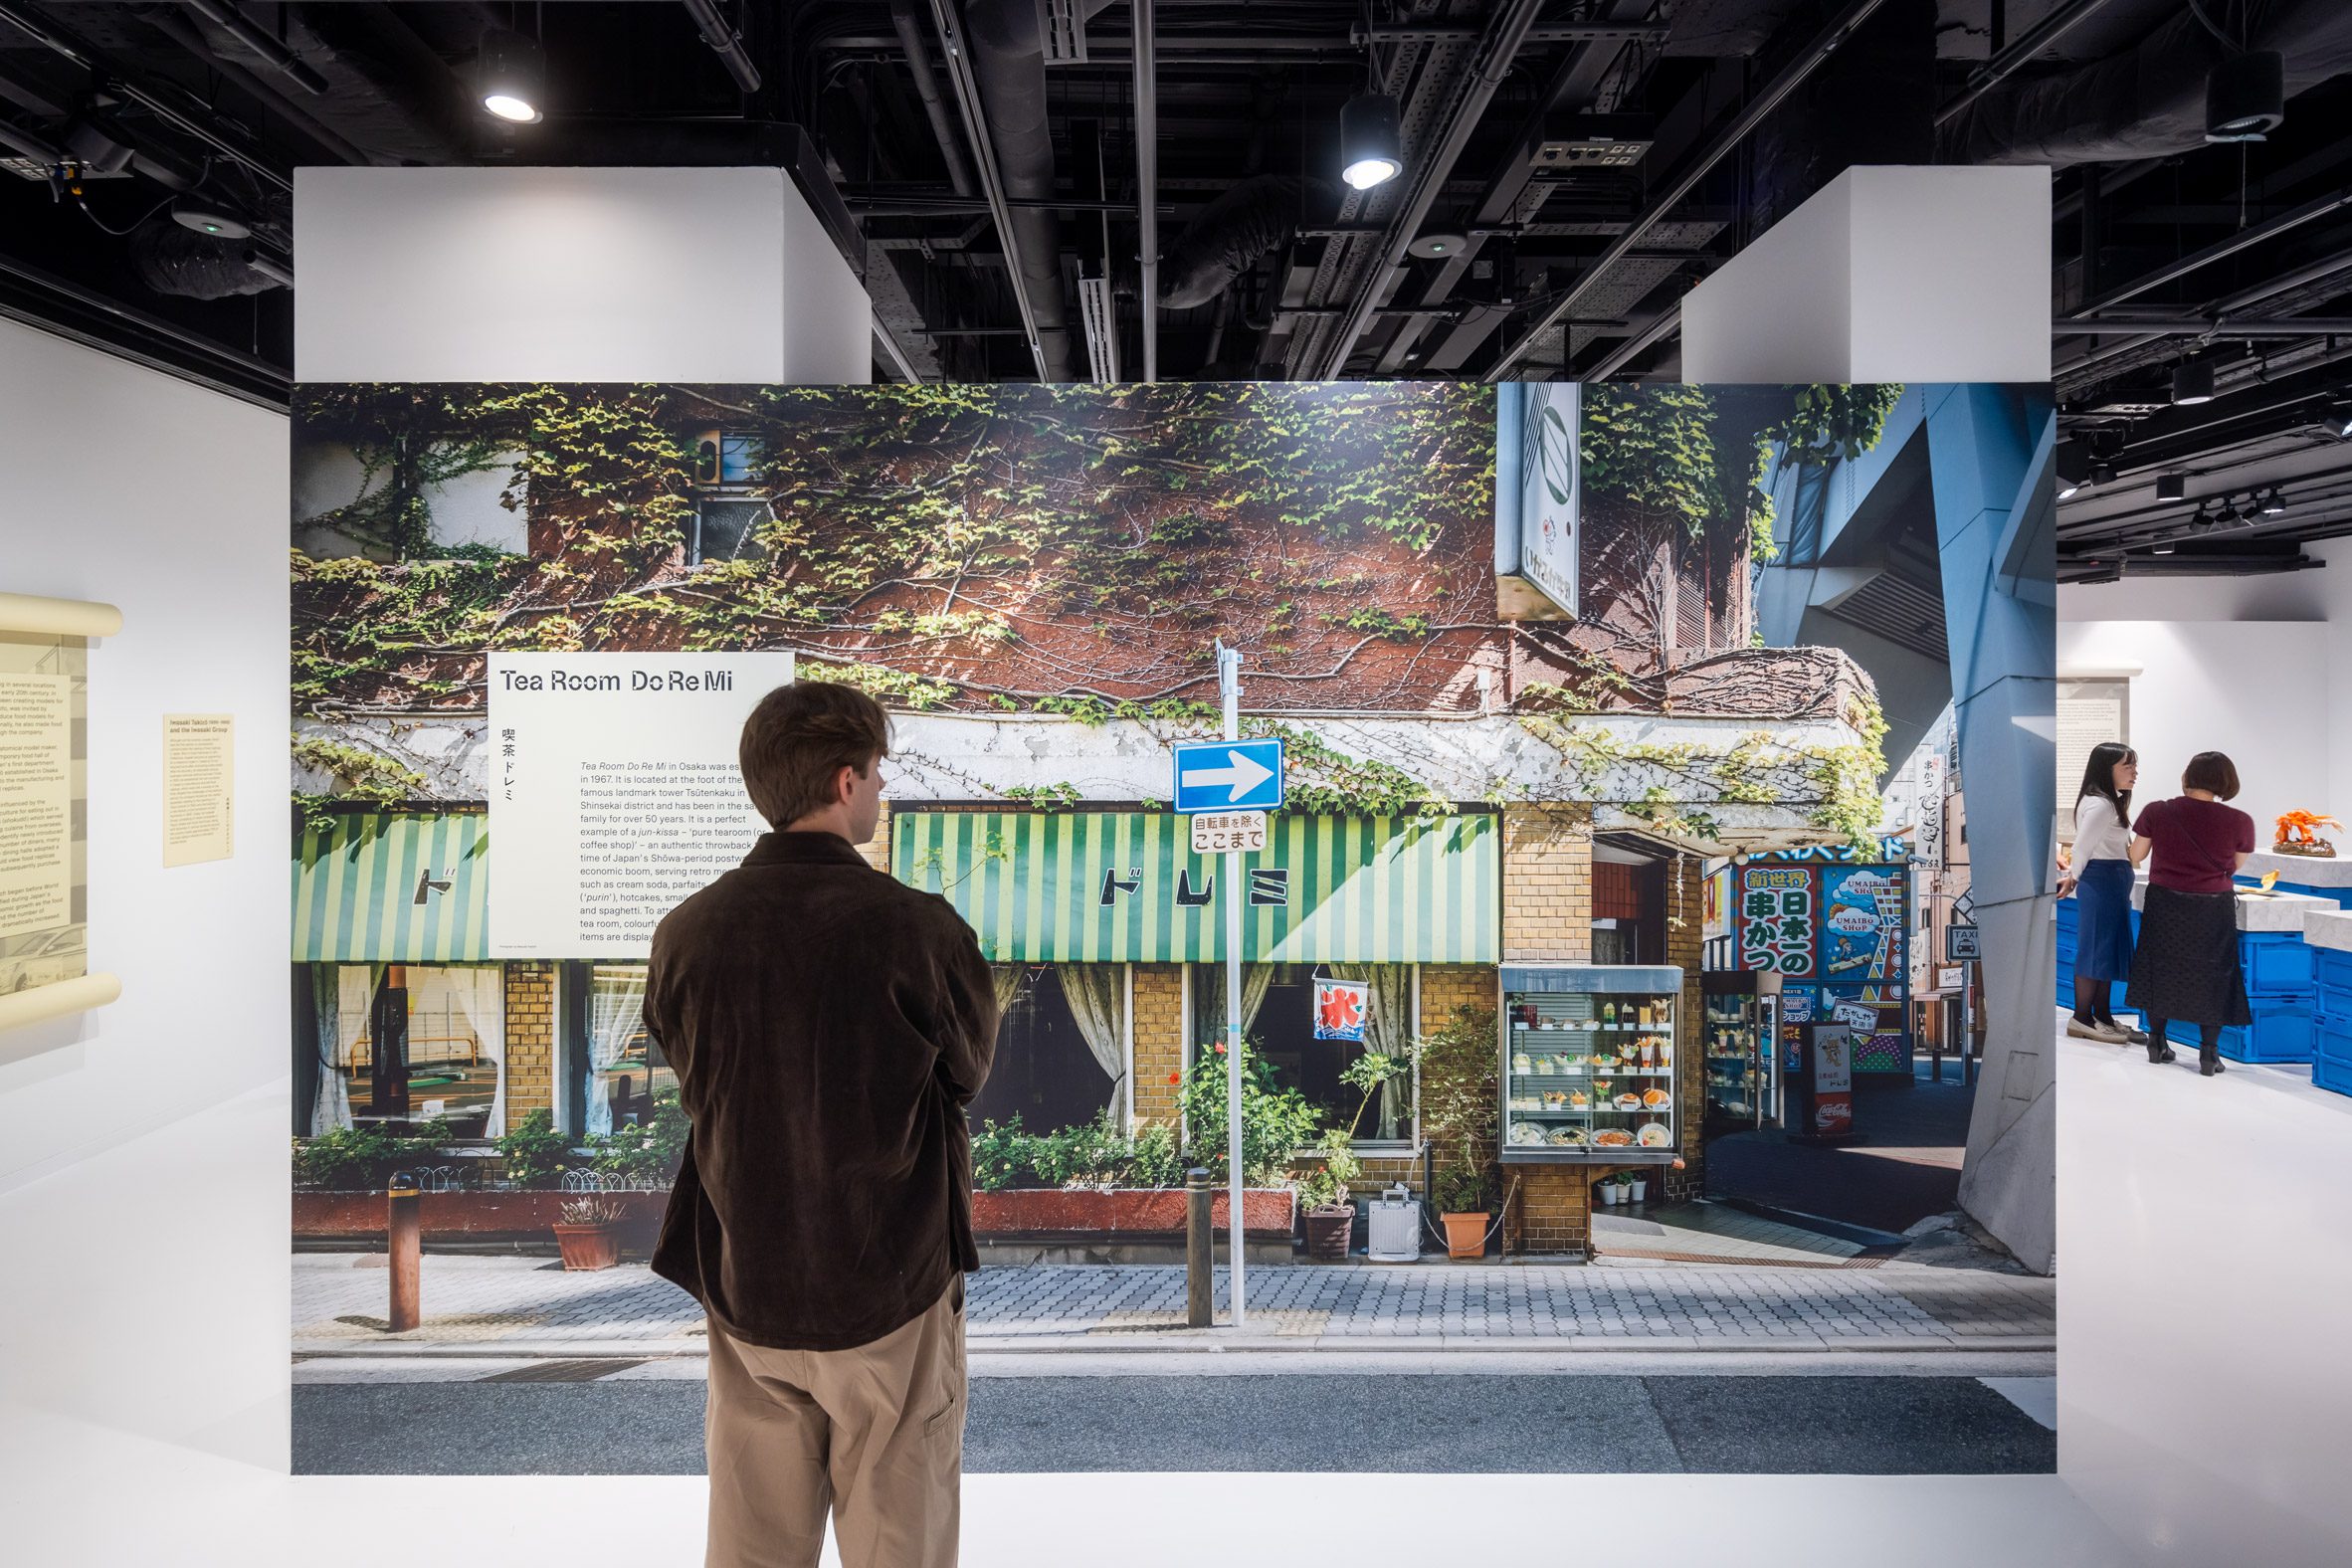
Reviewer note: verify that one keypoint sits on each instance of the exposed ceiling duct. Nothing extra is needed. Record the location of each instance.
(1234, 232)
(2149, 99)
(1008, 58)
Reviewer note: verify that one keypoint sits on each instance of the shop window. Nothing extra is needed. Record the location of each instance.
(398, 1045)
(1278, 1018)
(1059, 1049)
(724, 528)
(725, 458)
(614, 1069)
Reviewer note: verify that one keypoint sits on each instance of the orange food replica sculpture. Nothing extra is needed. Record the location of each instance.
(2298, 833)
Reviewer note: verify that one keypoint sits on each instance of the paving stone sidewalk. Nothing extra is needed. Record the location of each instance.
(479, 1305)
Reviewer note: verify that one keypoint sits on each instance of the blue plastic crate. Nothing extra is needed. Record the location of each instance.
(2069, 921)
(2331, 976)
(2283, 1029)
(2277, 964)
(2331, 1051)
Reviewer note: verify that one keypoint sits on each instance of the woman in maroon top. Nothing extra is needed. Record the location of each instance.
(2186, 969)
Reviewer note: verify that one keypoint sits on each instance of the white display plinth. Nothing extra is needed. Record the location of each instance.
(1890, 274)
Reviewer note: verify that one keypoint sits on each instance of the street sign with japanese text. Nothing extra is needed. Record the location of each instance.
(1215, 832)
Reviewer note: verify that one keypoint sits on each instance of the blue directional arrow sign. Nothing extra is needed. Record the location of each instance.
(1229, 775)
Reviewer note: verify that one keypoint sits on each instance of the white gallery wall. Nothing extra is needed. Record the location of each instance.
(121, 484)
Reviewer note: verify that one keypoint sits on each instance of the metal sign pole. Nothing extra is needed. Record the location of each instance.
(1228, 681)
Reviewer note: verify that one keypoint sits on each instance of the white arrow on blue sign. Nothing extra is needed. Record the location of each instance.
(1229, 775)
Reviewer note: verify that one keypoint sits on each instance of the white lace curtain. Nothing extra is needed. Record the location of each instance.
(1387, 1029)
(616, 1007)
(477, 994)
(1096, 999)
(1207, 1014)
(339, 995)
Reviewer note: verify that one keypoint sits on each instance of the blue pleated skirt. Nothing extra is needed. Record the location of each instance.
(2102, 927)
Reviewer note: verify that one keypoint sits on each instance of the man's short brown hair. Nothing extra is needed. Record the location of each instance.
(2210, 770)
(800, 738)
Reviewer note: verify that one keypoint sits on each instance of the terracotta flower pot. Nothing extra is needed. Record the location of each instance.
(1329, 1232)
(1466, 1237)
(587, 1247)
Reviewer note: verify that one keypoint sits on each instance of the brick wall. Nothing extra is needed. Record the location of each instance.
(1159, 1040)
(1547, 883)
(531, 1040)
(876, 850)
(1685, 899)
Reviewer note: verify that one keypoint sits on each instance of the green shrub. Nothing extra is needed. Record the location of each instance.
(1276, 1122)
(1092, 1154)
(648, 1153)
(358, 1159)
(534, 1153)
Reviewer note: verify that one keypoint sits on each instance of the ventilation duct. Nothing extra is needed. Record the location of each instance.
(172, 260)
(2147, 100)
(1009, 67)
(1249, 222)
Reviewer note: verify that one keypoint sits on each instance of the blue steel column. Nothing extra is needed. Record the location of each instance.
(1995, 530)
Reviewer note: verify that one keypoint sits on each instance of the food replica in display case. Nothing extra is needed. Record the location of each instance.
(1587, 1062)
(1740, 1023)
(2298, 833)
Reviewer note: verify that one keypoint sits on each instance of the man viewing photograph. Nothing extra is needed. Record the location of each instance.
(828, 1026)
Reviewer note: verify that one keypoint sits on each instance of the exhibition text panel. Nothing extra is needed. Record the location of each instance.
(614, 792)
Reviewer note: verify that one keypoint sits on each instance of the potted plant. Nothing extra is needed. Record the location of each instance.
(589, 1233)
(1460, 1200)
(1322, 1192)
(1637, 1185)
(1611, 1190)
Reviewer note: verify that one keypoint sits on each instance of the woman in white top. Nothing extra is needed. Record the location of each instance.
(2101, 879)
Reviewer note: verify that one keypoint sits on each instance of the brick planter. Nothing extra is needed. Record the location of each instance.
(1052, 1213)
(471, 1216)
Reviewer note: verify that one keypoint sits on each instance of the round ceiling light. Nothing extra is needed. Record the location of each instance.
(1371, 147)
(208, 219)
(1437, 246)
(512, 77)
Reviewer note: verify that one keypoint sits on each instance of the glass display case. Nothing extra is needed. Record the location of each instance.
(1589, 1057)
(1742, 1019)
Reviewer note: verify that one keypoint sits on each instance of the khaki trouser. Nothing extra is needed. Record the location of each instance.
(876, 1434)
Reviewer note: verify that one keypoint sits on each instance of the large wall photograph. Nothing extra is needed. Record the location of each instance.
(528, 618)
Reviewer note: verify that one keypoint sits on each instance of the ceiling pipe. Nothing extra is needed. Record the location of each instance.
(1667, 322)
(1505, 36)
(189, 37)
(2220, 250)
(926, 87)
(2244, 299)
(2033, 40)
(227, 18)
(1148, 178)
(181, 110)
(725, 42)
(958, 55)
(2202, 327)
(1824, 44)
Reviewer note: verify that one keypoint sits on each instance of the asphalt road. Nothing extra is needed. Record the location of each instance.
(1544, 1424)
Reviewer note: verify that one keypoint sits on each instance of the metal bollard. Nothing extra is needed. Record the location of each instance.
(1200, 1279)
(404, 1240)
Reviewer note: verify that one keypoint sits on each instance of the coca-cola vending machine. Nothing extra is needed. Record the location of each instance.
(1818, 1089)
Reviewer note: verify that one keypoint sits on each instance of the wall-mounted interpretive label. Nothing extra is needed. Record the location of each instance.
(199, 787)
(614, 792)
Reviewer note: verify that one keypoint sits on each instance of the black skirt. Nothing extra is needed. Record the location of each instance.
(2185, 969)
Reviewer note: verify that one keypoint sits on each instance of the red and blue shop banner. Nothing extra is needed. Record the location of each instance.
(1838, 934)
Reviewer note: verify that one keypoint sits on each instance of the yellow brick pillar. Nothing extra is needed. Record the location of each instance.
(876, 850)
(1159, 1042)
(1685, 895)
(1547, 917)
(531, 1040)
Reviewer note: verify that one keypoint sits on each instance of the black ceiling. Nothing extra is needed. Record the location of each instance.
(2238, 256)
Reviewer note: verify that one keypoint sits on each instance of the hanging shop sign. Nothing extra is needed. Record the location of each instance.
(1716, 920)
(1087, 886)
(1341, 1007)
(1838, 934)
(393, 887)
(1930, 808)
(1537, 500)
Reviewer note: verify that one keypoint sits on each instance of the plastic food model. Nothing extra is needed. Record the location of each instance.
(1654, 1136)
(1522, 1062)
(1653, 1098)
(2298, 833)
(1612, 1138)
(1525, 1133)
(1578, 1098)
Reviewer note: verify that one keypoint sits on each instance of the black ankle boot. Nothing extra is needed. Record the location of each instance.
(2158, 1052)
(2209, 1060)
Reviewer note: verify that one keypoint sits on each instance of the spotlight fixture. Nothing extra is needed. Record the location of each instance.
(2203, 520)
(2102, 473)
(2273, 503)
(2166, 548)
(2246, 95)
(2338, 418)
(1371, 148)
(2172, 486)
(512, 77)
(191, 212)
(2192, 382)
(2068, 489)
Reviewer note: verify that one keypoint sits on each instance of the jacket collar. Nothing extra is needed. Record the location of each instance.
(804, 849)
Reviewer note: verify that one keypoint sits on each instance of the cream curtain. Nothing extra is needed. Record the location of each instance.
(1207, 1014)
(615, 1006)
(479, 992)
(355, 994)
(1009, 978)
(330, 1109)
(1387, 1029)
(1095, 996)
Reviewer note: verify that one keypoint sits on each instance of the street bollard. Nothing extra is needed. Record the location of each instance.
(404, 1239)
(1200, 1279)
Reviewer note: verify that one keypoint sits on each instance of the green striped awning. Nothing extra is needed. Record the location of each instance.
(1111, 887)
(393, 889)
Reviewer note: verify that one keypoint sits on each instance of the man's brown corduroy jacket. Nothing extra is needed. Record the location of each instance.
(828, 1026)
